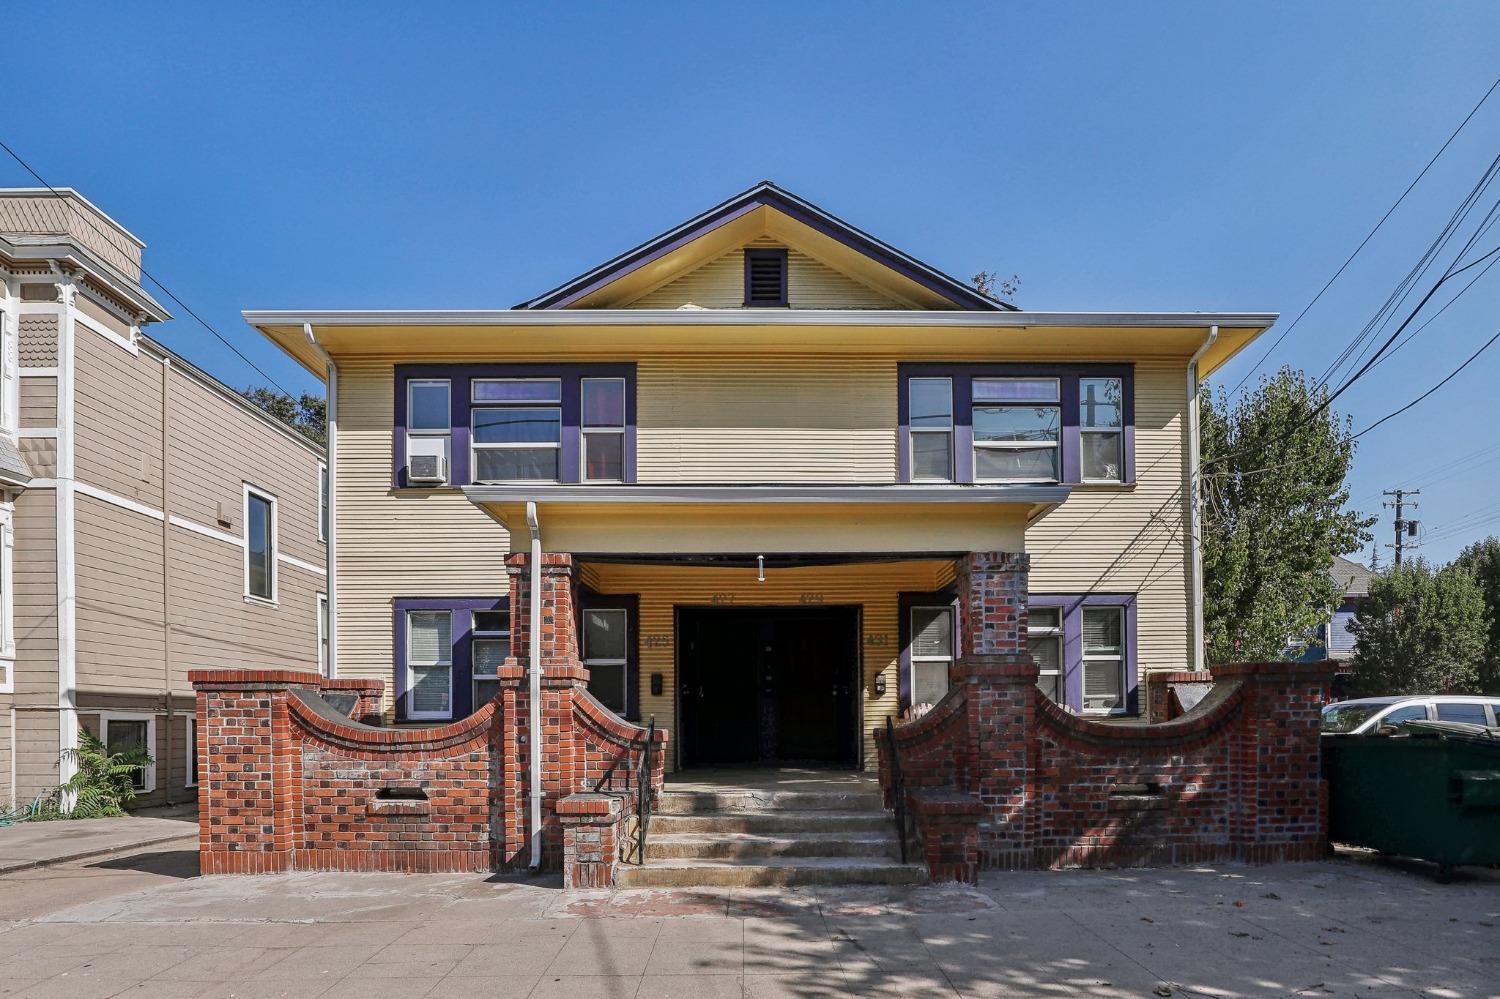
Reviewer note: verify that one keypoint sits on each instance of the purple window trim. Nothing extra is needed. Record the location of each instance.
(462, 696)
(907, 601)
(630, 603)
(460, 375)
(963, 375)
(1072, 658)
(780, 256)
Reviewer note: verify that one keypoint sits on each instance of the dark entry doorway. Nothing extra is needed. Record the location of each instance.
(768, 685)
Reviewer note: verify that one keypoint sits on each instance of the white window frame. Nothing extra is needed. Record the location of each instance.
(1056, 633)
(477, 635)
(1120, 658)
(7, 597)
(912, 432)
(1118, 433)
(149, 774)
(323, 501)
(190, 751)
(324, 626)
(475, 447)
(584, 429)
(446, 436)
(978, 445)
(624, 663)
(274, 538)
(411, 711)
(911, 631)
(10, 360)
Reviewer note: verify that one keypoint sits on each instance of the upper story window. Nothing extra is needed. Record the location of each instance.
(260, 544)
(765, 278)
(463, 424)
(1021, 423)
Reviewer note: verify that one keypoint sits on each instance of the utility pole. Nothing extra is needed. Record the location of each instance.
(1404, 528)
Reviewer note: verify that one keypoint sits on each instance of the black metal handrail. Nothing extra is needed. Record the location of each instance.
(641, 773)
(898, 787)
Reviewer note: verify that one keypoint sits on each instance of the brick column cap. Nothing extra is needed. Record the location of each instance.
(259, 679)
(1285, 667)
(589, 808)
(973, 666)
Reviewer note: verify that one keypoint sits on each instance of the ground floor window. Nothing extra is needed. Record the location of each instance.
(607, 644)
(123, 732)
(929, 638)
(448, 654)
(1084, 646)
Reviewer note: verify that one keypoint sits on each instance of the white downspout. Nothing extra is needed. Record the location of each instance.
(332, 452)
(1195, 512)
(534, 721)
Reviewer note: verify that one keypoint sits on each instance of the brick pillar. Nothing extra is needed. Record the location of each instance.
(591, 825)
(250, 784)
(999, 677)
(557, 742)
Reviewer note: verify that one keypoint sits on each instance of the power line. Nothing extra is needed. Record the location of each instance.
(1343, 267)
(153, 278)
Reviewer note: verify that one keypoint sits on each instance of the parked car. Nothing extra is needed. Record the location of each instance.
(1366, 715)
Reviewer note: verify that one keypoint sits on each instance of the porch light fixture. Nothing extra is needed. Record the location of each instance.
(760, 561)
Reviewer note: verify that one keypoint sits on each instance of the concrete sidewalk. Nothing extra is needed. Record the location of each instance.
(1341, 928)
(28, 845)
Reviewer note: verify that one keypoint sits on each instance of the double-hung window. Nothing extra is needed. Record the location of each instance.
(1017, 430)
(516, 429)
(489, 645)
(931, 408)
(606, 650)
(260, 545)
(932, 634)
(429, 664)
(429, 424)
(1101, 423)
(1045, 643)
(603, 428)
(1103, 659)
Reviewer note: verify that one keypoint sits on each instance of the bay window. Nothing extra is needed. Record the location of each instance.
(1016, 423)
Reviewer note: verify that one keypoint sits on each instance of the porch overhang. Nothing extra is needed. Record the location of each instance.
(773, 518)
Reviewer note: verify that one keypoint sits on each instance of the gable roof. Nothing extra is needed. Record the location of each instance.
(1352, 578)
(768, 195)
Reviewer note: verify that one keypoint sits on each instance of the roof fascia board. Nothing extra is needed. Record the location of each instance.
(759, 317)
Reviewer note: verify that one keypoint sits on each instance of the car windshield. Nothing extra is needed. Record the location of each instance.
(1347, 717)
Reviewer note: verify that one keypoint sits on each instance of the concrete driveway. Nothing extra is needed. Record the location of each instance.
(146, 926)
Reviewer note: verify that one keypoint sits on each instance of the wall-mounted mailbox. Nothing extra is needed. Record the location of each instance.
(656, 685)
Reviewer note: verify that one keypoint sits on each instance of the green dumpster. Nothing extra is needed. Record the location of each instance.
(1431, 792)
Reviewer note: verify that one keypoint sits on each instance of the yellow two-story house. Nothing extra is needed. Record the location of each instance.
(765, 437)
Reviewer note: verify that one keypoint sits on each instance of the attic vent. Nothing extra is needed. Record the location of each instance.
(765, 278)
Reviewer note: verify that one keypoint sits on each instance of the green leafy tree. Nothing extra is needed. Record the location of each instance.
(1482, 558)
(308, 415)
(101, 786)
(1420, 631)
(1273, 493)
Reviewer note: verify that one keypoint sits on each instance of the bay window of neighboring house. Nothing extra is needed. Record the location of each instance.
(515, 423)
(1084, 647)
(1016, 423)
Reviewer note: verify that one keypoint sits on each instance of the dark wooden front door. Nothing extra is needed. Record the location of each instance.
(772, 685)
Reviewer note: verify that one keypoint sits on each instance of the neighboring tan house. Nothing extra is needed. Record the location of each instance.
(153, 520)
(765, 437)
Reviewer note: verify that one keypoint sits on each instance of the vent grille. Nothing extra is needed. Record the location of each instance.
(765, 277)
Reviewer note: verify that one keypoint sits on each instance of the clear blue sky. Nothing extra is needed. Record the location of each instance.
(1187, 156)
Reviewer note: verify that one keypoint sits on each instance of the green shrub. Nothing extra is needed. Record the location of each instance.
(101, 785)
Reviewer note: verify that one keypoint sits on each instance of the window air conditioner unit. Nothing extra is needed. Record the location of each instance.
(426, 468)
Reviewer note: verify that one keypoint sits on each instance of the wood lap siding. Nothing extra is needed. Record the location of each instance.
(118, 615)
(117, 419)
(34, 560)
(38, 402)
(720, 284)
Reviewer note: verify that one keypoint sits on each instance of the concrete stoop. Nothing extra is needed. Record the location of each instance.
(745, 838)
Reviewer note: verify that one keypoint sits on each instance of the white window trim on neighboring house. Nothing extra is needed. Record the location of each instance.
(411, 685)
(7, 599)
(105, 717)
(323, 501)
(273, 539)
(190, 752)
(10, 363)
(323, 628)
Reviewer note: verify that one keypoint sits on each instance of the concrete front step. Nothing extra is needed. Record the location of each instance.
(770, 871)
(772, 822)
(674, 802)
(740, 846)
